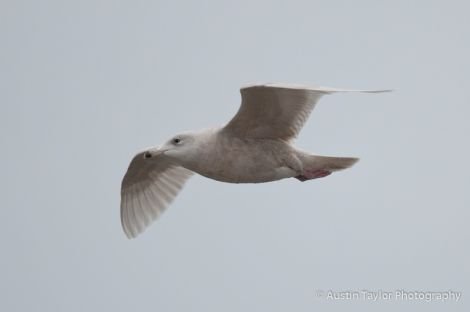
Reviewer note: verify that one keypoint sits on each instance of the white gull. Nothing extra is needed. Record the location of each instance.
(254, 147)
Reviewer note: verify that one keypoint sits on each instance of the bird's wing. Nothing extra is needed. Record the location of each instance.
(148, 187)
(277, 111)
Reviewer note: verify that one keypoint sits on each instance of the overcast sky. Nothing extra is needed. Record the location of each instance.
(86, 84)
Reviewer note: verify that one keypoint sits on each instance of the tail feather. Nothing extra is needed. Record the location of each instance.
(330, 163)
(315, 166)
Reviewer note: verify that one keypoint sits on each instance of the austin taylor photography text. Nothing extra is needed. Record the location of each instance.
(392, 295)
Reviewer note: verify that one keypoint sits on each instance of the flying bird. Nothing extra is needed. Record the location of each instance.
(254, 147)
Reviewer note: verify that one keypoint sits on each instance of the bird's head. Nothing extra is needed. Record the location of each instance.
(178, 148)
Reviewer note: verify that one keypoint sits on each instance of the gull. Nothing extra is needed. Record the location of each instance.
(254, 147)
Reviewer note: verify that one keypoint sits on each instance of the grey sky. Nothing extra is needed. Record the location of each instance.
(86, 84)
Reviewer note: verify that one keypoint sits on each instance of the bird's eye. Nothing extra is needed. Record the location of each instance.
(176, 140)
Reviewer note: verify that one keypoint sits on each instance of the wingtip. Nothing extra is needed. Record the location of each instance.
(379, 91)
(335, 90)
(127, 233)
(129, 236)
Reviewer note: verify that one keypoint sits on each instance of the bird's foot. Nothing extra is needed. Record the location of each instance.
(313, 174)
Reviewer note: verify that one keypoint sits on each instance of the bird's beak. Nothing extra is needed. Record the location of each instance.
(154, 152)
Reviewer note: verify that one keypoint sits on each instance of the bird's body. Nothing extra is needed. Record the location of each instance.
(254, 147)
(270, 159)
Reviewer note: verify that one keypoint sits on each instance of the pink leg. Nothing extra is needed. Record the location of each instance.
(313, 174)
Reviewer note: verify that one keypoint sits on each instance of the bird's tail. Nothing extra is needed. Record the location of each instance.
(330, 163)
(315, 166)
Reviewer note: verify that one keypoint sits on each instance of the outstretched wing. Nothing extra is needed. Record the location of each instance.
(277, 111)
(148, 187)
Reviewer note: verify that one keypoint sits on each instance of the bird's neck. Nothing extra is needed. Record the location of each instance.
(205, 150)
